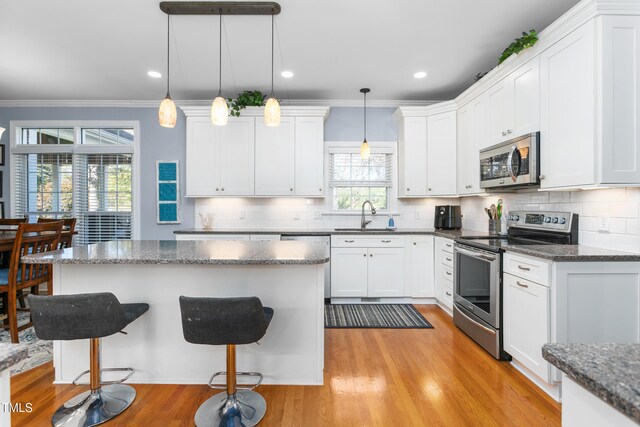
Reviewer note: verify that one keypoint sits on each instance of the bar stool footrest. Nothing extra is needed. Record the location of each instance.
(130, 371)
(238, 374)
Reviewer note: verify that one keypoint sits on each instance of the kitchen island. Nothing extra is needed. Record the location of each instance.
(287, 276)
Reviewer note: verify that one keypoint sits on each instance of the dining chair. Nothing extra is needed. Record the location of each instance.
(12, 221)
(69, 227)
(30, 239)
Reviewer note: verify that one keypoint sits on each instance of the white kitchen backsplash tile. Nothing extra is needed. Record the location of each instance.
(620, 206)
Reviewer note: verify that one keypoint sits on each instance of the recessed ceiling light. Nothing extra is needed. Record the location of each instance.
(420, 75)
(154, 74)
(287, 74)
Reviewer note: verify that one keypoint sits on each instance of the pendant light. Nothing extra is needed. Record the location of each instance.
(272, 108)
(167, 113)
(219, 107)
(1, 132)
(365, 150)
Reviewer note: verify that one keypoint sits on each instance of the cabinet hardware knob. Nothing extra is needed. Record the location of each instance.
(348, 241)
(414, 243)
(371, 255)
(448, 293)
(291, 189)
(364, 255)
(522, 285)
(428, 189)
(320, 189)
(217, 188)
(541, 177)
(222, 188)
(523, 268)
(408, 189)
(509, 131)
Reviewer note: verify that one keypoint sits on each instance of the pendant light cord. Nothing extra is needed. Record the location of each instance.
(272, 16)
(365, 116)
(168, 50)
(220, 62)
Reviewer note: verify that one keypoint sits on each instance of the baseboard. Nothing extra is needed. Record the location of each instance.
(553, 390)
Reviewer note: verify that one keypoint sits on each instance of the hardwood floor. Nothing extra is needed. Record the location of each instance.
(373, 377)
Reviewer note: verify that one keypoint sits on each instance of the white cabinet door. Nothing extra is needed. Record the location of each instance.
(412, 157)
(441, 154)
(567, 113)
(237, 157)
(309, 156)
(202, 158)
(274, 170)
(620, 99)
(525, 99)
(471, 137)
(499, 112)
(385, 272)
(526, 323)
(349, 272)
(422, 267)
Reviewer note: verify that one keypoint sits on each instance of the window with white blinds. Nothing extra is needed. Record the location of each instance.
(353, 180)
(79, 172)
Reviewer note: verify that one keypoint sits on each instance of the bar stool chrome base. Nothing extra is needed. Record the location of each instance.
(245, 408)
(94, 407)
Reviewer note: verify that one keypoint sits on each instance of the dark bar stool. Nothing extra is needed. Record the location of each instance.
(227, 321)
(92, 316)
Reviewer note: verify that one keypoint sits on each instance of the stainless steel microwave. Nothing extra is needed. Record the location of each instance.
(512, 163)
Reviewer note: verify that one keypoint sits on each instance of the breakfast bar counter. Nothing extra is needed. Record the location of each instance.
(287, 276)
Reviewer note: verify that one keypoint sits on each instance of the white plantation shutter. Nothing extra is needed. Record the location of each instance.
(350, 170)
(104, 197)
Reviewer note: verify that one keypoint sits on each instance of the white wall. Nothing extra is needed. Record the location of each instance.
(620, 206)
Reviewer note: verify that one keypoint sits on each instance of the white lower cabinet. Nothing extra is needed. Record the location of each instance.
(367, 266)
(526, 323)
(422, 272)
(444, 272)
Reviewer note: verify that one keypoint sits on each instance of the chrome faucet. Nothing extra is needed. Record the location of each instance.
(363, 223)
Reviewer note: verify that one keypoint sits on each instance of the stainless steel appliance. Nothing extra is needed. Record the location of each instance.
(327, 267)
(447, 217)
(513, 163)
(477, 271)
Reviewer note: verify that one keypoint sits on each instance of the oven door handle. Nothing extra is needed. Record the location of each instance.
(491, 331)
(475, 254)
(512, 173)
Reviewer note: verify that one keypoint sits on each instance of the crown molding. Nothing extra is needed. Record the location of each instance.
(70, 103)
(411, 111)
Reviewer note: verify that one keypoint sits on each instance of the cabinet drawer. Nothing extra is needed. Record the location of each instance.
(212, 237)
(382, 241)
(526, 267)
(447, 294)
(446, 258)
(447, 274)
(443, 244)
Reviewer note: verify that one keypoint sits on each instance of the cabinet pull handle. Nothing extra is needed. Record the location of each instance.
(523, 268)
(504, 133)
(448, 245)
(348, 241)
(508, 131)
(448, 293)
(522, 285)
(541, 177)
(385, 241)
(448, 259)
(448, 273)
(467, 186)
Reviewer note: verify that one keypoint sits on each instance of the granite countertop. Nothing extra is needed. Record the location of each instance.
(572, 253)
(451, 234)
(239, 252)
(609, 371)
(10, 354)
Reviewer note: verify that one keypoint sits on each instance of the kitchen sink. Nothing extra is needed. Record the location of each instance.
(364, 229)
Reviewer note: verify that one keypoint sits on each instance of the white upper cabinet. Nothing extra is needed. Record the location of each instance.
(412, 157)
(441, 154)
(472, 134)
(309, 156)
(427, 150)
(567, 131)
(274, 168)
(513, 104)
(248, 158)
(620, 99)
(219, 158)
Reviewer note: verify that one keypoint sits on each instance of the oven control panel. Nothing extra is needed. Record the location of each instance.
(558, 221)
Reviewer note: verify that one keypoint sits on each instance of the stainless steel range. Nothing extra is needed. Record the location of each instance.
(477, 266)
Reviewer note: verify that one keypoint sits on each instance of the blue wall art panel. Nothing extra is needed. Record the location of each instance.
(168, 192)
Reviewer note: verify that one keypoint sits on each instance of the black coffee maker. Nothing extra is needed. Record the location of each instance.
(447, 217)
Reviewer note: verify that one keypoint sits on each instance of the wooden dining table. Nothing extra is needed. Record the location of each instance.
(8, 236)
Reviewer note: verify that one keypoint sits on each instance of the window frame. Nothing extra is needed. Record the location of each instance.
(77, 148)
(352, 147)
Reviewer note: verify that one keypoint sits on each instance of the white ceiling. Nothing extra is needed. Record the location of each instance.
(90, 50)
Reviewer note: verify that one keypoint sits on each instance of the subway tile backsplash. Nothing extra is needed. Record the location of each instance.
(620, 207)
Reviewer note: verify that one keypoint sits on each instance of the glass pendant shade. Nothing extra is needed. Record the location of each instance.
(1, 132)
(219, 111)
(167, 113)
(272, 112)
(365, 150)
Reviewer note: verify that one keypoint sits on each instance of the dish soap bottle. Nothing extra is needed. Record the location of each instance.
(391, 225)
